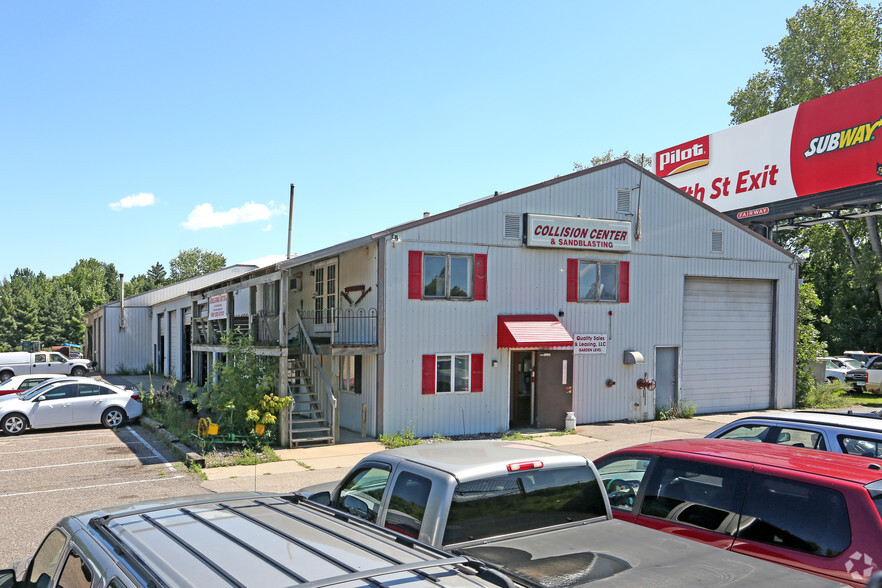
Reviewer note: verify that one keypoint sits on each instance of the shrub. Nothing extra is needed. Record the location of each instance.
(399, 439)
(681, 410)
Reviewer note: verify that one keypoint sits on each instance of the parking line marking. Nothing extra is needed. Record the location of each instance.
(89, 487)
(150, 447)
(64, 465)
(71, 447)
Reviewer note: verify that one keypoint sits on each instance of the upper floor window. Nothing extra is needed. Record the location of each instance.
(448, 276)
(598, 281)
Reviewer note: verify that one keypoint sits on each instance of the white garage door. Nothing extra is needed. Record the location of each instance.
(174, 354)
(727, 344)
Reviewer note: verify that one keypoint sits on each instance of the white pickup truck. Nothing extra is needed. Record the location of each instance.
(538, 515)
(18, 363)
(869, 377)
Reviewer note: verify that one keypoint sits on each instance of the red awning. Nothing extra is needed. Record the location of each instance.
(520, 331)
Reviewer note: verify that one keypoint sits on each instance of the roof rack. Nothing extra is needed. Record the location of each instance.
(284, 516)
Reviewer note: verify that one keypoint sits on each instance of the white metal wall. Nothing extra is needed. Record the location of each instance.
(174, 344)
(675, 242)
(727, 344)
(129, 349)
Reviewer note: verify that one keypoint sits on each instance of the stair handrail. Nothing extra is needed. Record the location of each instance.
(328, 390)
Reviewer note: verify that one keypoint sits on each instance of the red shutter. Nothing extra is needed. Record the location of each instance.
(480, 276)
(428, 374)
(415, 275)
(572, 280)
(477, 372)
(624, 281)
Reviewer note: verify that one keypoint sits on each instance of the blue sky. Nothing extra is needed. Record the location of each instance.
(132, 130)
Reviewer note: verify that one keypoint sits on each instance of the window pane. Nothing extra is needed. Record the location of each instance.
(609, 282)
(747, 433)
(860, 446)
(622, 478)
(75, 574)
(407, 504)
(794, 515)
(587, 280)
(434, 268)
(696, 494)
(801, 438)
(68, 391)
(362, 493)
(460, 277)
(443, 371)
(512, 503)
(89, 390)
(462, 373)
(46, 560)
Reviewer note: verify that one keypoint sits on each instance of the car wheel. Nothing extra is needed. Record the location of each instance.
(5, 376)
(78, 371)
(14, 424)
(113, 417)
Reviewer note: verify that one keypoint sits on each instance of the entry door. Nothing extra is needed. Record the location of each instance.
(521, 389)
(666, 376)
(554, 388)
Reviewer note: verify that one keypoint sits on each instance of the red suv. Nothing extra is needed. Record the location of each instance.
(811, 510)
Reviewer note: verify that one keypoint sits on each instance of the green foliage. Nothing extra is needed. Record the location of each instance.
(194, 262)
(241, 383)
(515, 436)
(830, 45)
(640, 159)
(808, 344)
(267, 409)
(681, 410)
(827, 395)
(248, 456)
(399, 439)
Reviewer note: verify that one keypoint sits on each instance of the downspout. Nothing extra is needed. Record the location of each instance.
(122, 303)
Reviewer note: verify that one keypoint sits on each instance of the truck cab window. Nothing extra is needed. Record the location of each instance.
(362, 493)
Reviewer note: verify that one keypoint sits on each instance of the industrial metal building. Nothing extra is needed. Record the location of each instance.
(607, 293)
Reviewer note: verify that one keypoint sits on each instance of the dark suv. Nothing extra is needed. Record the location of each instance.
(816, 511)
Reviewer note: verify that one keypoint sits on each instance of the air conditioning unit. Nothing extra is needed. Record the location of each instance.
(296, 284)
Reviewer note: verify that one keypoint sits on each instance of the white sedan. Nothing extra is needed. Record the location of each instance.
(69, 402)
(24, 382)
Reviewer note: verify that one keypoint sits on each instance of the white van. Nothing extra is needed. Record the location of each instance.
(17, 363)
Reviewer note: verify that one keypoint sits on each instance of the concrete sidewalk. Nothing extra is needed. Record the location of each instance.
(315, 465)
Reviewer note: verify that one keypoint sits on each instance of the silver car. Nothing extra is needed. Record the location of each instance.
(68, 402)
(826, 431)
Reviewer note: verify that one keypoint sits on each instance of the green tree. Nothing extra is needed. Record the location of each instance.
(830, 45)
(95, 282)
(157, 274)
(640, 159)
(241, 383)
(194, 262)
(808, 344)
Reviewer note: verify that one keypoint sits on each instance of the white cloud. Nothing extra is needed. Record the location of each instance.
(268, 228)
(205, 216)
(135, 200)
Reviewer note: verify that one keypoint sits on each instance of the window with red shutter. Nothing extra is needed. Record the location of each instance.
(415, 275)
(477, 378)
(624, 281)
(572, 280)
(428, 374)
(480, 276)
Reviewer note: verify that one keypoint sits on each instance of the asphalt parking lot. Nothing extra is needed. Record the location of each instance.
(48, 474)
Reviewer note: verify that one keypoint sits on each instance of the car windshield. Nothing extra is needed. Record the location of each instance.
(851, 364)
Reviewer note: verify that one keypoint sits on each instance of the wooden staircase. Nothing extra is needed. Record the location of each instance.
(309, 425)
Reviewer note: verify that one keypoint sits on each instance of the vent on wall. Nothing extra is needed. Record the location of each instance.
(623, 201)
(716, 241)
(512, 228)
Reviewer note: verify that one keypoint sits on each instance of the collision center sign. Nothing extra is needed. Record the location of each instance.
(217, 307)
(567, 232)
(824, 144)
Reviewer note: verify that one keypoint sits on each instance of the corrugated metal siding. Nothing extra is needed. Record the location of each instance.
(174, 354)
(129, 349)
(675, 242)
(727, 346)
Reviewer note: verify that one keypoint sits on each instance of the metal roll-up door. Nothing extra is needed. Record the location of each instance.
(727, 344)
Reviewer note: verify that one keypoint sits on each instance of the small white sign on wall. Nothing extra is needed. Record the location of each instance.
(217, 307)
(589, 344)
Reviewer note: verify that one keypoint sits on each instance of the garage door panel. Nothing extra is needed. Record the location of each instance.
(727, 344)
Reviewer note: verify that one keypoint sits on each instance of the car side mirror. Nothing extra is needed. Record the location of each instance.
(7, 578)
(38, 399)
(322, 498)
(783, 437)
